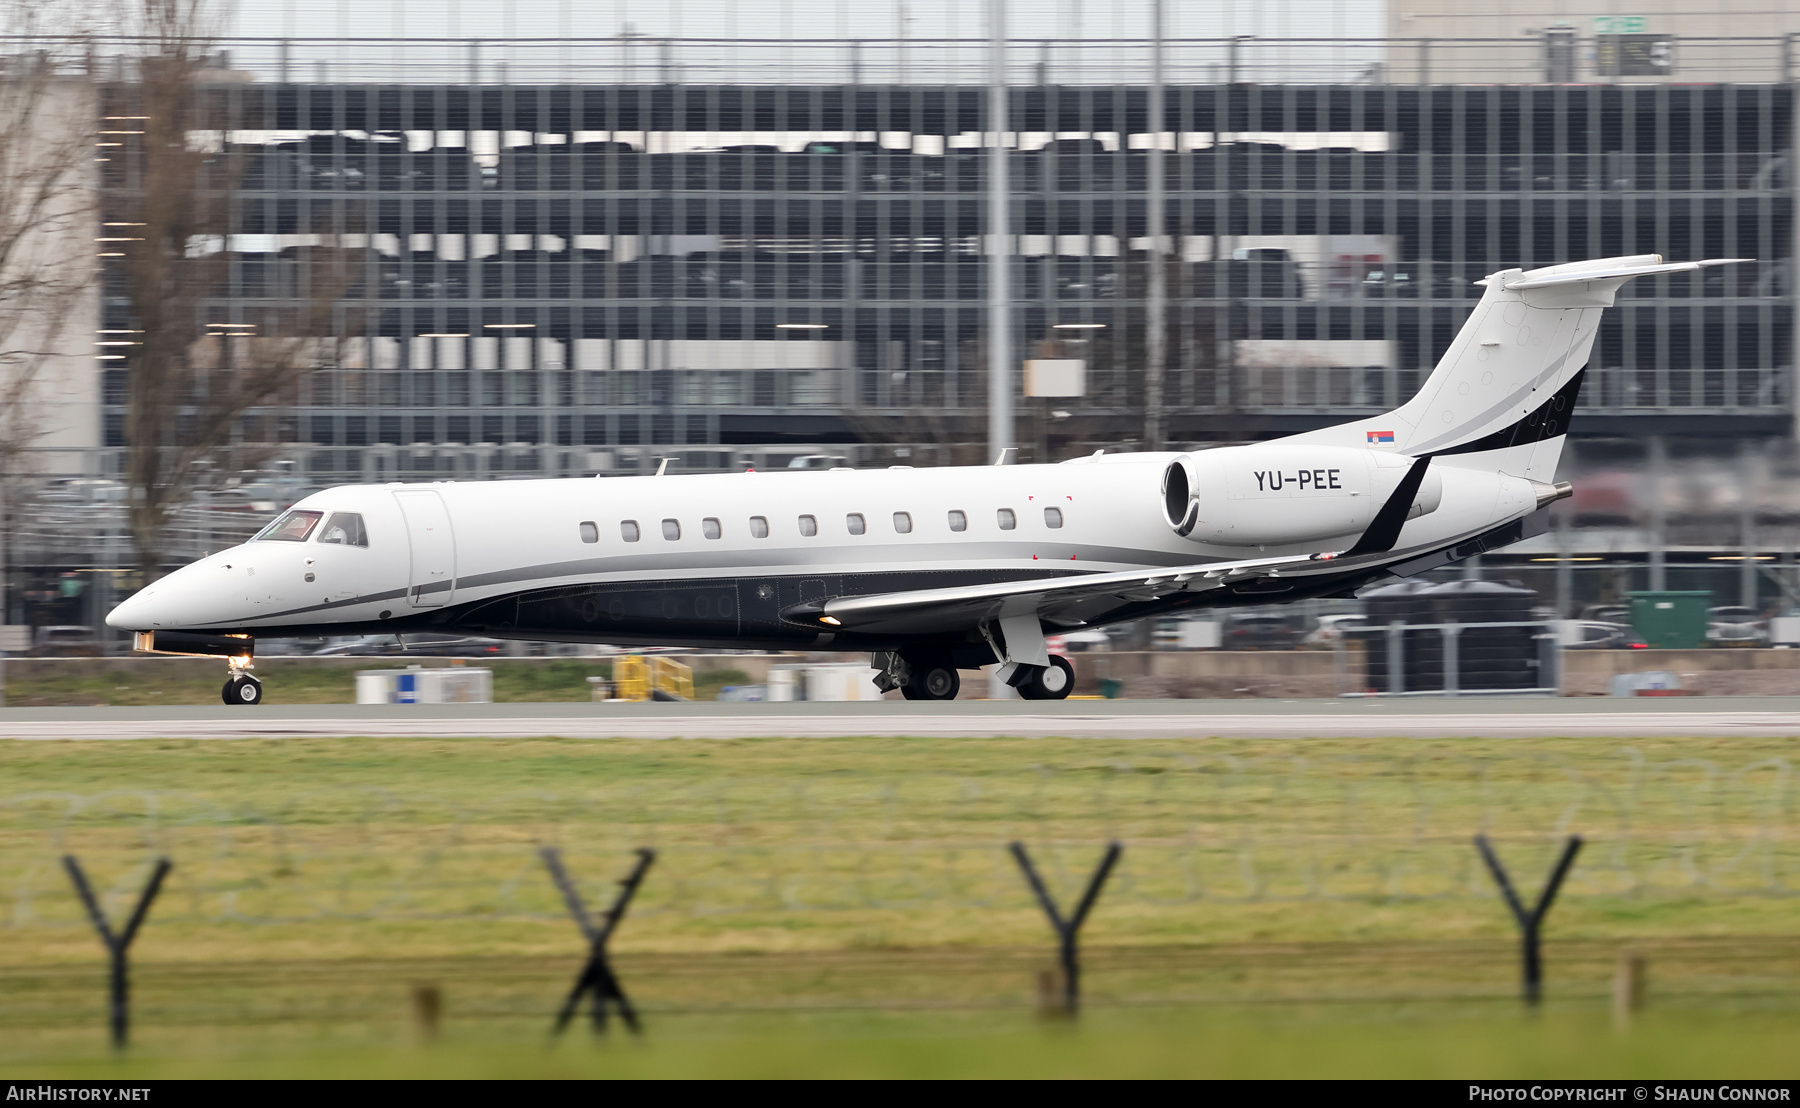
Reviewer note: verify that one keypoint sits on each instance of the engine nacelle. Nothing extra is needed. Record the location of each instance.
(1275, 495)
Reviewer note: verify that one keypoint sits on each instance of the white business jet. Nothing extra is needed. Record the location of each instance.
(931, 570)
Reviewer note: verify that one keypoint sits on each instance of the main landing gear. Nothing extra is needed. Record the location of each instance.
(241, 688)
(935, 680)
(1051, 682)
(918, 676)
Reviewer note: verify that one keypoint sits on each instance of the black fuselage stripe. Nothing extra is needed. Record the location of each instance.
(1547, 421)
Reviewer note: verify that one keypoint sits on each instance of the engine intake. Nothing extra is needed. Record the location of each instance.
(1180, 506)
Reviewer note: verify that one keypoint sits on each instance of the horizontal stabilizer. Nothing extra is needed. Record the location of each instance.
(1582, 272)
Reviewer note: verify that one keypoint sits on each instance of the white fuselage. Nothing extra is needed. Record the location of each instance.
(513, 538)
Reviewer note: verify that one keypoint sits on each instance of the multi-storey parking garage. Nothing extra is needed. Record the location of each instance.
(578, 277)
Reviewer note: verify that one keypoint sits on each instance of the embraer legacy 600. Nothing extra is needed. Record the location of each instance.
(931, 570)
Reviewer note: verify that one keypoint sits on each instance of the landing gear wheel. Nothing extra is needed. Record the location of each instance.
(1051, 682)
(933, 681)
(242, 690)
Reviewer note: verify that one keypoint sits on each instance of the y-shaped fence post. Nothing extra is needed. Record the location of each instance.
(1067, 930)
(1530, 923)
(117, 945)
(597, 976)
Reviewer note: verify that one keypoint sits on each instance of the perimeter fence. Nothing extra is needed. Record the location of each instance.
(1198, 830)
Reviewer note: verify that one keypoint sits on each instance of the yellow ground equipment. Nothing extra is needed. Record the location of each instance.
(636, 677)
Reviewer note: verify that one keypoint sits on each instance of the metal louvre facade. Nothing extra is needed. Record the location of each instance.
(572, 278)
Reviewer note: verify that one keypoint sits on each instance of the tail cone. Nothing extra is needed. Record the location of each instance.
(1550, 494)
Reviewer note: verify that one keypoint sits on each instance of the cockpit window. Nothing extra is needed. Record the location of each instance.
(293, 527)
(346, 529)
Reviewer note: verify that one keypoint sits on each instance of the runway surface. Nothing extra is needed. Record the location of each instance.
(1293, 719)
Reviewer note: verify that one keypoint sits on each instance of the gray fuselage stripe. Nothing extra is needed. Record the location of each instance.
(776, 562)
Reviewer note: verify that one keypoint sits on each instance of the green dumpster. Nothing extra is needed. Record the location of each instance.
(1671, 620)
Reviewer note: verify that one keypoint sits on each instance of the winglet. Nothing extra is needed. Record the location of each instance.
(1384, 529)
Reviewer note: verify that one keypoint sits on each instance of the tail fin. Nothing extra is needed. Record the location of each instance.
(1507, 386)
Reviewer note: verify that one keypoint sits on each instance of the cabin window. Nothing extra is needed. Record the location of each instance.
(710, 528)
(1007, 519)
(590, 532)
(1053, 517)
(628, 530)
(856, 523)
(671, 529)
(345, 529)
(903, 523)
(293, 527)
(759, 527)
(809, 526)
(958, 521)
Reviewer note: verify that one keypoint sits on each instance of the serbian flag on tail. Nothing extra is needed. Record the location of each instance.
(1381, 438)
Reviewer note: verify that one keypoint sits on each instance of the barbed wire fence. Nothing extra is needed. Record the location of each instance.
(1200, 830)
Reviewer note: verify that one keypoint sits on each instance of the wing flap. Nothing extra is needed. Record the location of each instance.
(857, 612)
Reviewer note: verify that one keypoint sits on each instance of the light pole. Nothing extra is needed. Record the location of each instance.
(1000, 345)
(1156, 305)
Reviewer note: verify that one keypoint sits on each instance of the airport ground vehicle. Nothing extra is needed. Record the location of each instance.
(1331, 629)
(1732, 625)
(1593, 634)
(66, 641)
(1259, 631)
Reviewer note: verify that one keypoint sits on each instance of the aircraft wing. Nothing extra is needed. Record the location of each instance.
(1056, 600)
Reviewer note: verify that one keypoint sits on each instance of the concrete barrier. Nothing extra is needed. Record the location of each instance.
(1715, 671)
(1177, 674)
(1218, 674)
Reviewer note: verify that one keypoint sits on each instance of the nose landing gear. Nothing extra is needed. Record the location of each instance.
(241, 688)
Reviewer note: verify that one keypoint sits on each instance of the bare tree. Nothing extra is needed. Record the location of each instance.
(47, 169)
(194, 375)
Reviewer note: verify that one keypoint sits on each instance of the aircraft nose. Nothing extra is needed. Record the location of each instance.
(134, 613)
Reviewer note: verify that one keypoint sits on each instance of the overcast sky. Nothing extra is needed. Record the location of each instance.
(1081, 29)
(1067, 19)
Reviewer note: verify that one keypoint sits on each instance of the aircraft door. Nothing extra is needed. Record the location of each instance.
(432, 582)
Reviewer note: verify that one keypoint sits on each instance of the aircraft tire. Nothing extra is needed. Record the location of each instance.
(934, 681)
(242, 690)
(1052, 682)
